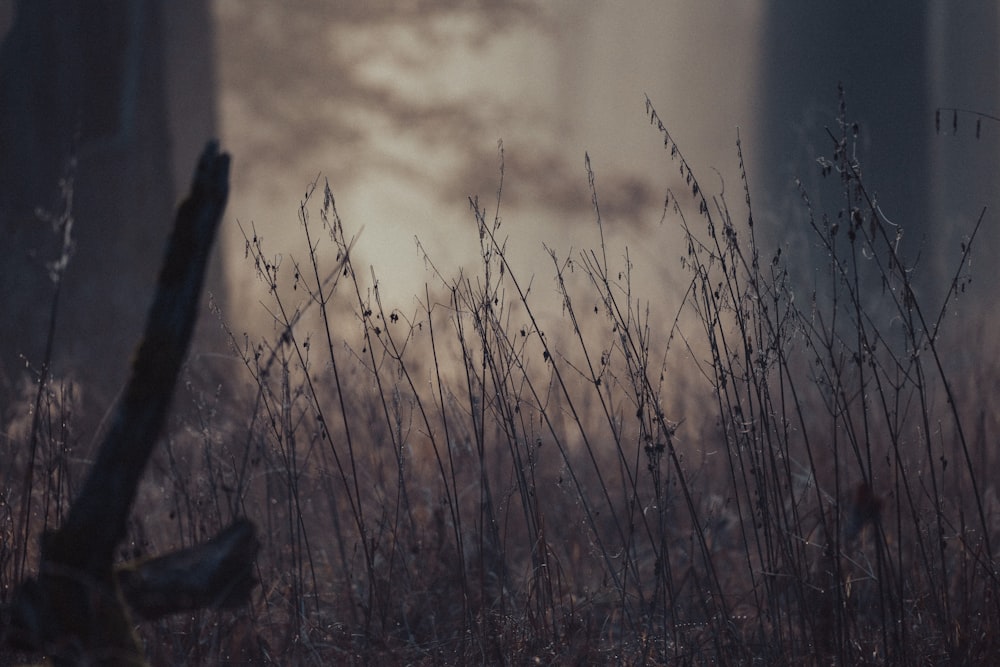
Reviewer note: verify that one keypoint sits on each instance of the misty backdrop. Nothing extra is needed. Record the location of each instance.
(400, 105)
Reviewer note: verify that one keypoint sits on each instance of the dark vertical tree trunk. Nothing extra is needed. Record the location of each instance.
(88, 80)
(899, 61)
(966, 74)
(878, 51)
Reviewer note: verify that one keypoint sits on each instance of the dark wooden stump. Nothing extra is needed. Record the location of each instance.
(77, 610)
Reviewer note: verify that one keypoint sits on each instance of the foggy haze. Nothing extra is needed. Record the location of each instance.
(402, 110)
(761, 438)
(400, 106)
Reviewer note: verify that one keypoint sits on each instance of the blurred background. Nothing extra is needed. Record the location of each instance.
(400, 105)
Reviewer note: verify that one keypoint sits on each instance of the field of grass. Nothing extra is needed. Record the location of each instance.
(784, 463)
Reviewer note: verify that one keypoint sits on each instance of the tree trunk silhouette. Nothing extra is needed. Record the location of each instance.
(85, 95)
(878, 52)
(898, 61)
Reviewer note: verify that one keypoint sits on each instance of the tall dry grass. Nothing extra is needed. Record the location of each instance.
(784, 462)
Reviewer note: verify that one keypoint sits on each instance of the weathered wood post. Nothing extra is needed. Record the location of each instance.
(77, 610)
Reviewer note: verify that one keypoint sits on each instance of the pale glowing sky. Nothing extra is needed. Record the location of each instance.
(402, 110)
